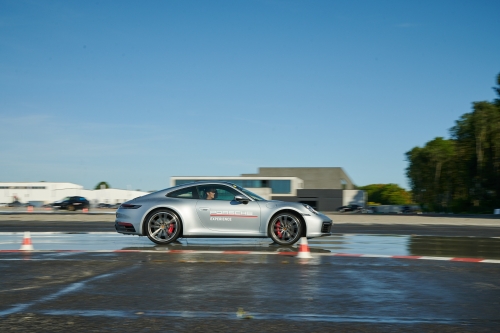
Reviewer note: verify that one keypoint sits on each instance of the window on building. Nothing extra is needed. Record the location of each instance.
(184, 181)
(280, 186)
(251, 183)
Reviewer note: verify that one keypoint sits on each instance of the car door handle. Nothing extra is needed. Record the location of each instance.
(203, 209)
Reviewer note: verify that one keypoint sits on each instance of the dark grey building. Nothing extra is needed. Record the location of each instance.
(325, 189)
(314, 178)
(326, 200)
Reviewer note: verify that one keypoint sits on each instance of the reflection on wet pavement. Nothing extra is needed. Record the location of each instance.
(472, 247)
(250, 315)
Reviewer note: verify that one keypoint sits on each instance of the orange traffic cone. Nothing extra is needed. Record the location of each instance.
(85, 210)
(27, 246)
(304, 252)
(30, 209)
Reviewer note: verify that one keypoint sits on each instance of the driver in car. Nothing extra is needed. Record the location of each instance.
(210, 194)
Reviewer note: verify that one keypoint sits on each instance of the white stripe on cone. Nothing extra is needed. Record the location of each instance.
(304, 252)
(27, 246)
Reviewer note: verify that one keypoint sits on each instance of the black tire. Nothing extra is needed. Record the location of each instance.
(285, 228)
(162, 226)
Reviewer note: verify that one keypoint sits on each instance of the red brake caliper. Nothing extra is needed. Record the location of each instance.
(278, 229)
(171, 228)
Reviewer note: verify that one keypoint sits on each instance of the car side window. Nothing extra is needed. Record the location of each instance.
(217, 192)
(185, 193)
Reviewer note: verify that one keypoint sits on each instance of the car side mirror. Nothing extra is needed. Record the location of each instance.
(241, 199)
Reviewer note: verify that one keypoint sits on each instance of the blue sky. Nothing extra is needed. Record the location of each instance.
(134, 92)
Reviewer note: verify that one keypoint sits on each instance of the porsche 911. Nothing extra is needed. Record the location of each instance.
(208, 209)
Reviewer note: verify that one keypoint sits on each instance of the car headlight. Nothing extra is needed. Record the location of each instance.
(312, 210)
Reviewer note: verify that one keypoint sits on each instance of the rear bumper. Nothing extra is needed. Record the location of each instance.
(125, 228)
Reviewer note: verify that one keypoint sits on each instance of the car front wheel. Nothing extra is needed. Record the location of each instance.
(285, 228)
(163, 226)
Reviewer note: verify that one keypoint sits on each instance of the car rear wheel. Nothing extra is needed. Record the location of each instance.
(285, 228)
(163, 226)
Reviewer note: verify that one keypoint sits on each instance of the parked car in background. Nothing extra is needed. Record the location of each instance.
(108, 206)
(71, 203)
(411, 209)
(16, 204)
(103, 205)
(349, 208)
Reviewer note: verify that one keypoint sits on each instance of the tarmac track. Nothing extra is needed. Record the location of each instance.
(338, 228)
(161, 292)
(196, 292)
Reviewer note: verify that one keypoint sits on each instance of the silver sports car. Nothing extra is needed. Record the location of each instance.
(217, 209)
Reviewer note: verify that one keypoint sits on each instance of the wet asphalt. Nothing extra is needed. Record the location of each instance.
(339, 228)
(192, 292)
(161, 292)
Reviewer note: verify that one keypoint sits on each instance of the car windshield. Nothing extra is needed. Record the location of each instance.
(250, 194)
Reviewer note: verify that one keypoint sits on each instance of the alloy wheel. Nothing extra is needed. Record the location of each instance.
(285, 229)
(162, 227)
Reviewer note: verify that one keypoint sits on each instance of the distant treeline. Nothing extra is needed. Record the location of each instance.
(460, 174)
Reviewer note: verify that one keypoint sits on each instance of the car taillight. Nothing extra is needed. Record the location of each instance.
(129, 206)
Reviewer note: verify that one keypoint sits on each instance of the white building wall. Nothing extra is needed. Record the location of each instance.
(111, 195)
(353, 197)
(49, 192)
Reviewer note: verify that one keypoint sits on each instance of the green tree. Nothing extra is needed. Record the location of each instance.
(430, 173)
(477, 136)
(387, 194)
(497, 90)
(101, 185)
(461, 174)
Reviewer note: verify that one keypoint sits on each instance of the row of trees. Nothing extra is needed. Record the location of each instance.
(387, 194)
(460, 174)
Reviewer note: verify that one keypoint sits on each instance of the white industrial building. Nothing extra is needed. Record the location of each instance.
(325, 189)
(39, 193)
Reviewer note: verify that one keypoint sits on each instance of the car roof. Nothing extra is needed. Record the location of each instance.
(199, 182)
(203, 182)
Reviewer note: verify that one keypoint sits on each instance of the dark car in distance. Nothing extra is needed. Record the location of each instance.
(349, 208)
(16, 204)
(103, 205)
(71, 203)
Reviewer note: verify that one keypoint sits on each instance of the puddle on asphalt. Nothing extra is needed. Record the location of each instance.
(242, 315)
(470, 247)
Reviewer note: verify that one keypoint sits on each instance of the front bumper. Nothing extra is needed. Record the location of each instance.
(318, 225)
